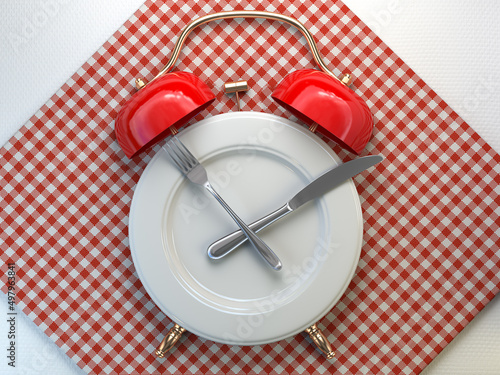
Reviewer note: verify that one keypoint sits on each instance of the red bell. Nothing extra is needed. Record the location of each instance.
(171, 100)
(316, 97)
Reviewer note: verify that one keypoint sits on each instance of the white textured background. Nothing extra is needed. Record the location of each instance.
(454, 46)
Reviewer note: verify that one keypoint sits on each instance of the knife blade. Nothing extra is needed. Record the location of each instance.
(327, 181)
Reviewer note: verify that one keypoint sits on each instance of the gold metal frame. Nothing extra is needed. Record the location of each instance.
(345, 79)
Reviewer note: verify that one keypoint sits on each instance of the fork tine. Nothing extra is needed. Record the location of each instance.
(176, 159)
(179, 153)
(186, 152)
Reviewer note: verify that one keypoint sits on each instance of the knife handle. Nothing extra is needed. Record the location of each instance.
(260, 246)
(226, 244)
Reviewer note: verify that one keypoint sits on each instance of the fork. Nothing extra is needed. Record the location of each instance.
(196, 173)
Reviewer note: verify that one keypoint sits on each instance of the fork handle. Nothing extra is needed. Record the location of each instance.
(227, 244)
(269, 256)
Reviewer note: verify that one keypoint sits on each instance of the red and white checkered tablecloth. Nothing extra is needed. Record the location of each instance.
(430, 260)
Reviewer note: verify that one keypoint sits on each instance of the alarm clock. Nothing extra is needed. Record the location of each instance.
(235, 300)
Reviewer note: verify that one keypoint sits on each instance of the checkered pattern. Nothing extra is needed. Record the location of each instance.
(431, 256)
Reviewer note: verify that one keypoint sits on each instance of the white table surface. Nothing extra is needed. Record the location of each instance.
(453, 46)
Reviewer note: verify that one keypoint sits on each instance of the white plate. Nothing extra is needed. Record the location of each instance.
(256, 162)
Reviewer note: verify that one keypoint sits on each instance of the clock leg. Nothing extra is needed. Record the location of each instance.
(320, 340)
(170, 339)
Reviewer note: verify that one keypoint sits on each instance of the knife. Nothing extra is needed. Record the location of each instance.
(327, 181)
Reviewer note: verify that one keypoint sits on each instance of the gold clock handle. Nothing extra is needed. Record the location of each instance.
(170, 339)
(240, 14)
(320, 340)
